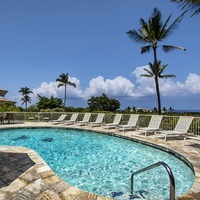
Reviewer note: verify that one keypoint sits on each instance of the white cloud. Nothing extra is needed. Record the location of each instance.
(51, 89)
(192, 83)
(145, 86)
(121, 87)
(168, 86)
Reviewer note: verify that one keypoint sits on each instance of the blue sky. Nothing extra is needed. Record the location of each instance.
(42, 39)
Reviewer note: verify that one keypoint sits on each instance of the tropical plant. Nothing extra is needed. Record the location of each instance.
(171, 109)
(7, 108)
(156, 71)
(25, 93)
(64, 81)
(48, 103)
(103, 103)
(193, 5)
(153, 32)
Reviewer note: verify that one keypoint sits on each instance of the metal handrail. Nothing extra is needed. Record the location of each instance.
(169, 171)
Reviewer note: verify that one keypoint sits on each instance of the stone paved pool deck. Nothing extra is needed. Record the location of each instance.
(26, 176)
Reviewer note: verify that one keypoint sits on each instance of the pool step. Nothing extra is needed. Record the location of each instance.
(140, 194)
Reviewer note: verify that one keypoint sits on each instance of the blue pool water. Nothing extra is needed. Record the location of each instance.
(102, 164)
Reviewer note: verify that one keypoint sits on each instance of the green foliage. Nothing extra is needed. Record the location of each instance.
(25, 93)
(8, 108)
(156, 70)
(46, 110)
(48, 103)
(64, 81)
(103, 103)
(32, 108)
(57, 110)
(72, 109)
(69, 109)
(192, 5)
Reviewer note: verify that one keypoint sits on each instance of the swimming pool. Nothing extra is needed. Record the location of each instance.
(99, 163)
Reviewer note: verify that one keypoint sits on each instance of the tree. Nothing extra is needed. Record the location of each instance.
(156, 71)
(164, 110)
(48, 103)
(153, 32)
(64, 81)
(193, 5)
(25, 93)
(171, 109)
(103, 103)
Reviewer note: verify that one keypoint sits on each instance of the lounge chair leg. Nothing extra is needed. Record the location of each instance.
(165, 137)
(146, 133)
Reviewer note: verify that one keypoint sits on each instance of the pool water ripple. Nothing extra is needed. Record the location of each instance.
(99, 163)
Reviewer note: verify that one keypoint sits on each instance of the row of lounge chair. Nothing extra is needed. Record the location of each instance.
(181, 127)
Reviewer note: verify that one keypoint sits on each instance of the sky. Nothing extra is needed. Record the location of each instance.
(41, 39)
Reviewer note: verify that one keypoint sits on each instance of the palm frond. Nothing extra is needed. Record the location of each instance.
(161, 68)
(135, 36)
(60, 84)
(155, 24)
(193, 5)
(175, 24)
(58, 80)
(168, 76)
(146, 75)
(196, 12)
(163, 32)
(168, 48)
(150, 73)
(72, 84)
(145, 31)
(146, 49)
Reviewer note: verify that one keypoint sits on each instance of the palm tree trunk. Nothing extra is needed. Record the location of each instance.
(26, 105)
(65, 96)
(158, 95)
(156, 79)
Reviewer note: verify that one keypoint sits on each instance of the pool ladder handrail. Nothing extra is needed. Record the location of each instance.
(169, 171)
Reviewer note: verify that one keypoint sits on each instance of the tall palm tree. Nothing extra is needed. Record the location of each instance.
(64, 81)
(25, 93)
(193, 5)
(156, 71)
(153, 32)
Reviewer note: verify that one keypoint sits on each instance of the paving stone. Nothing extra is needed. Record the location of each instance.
(23, 195)
(30, 176)
(48, 195)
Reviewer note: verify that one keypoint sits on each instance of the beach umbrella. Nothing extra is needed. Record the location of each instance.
(3, 92)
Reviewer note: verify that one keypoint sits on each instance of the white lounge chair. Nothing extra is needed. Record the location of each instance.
(85, 120)
(98, 121)
(181, 127)
(59, 120)
(132, 123)
(72, 120)
(191, 138)
(115, 122)
(153, 126)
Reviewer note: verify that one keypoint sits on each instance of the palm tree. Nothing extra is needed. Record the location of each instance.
(193, 5)
(153, 32)
(25, 93)
(64, 81)
(171, 109)
(156, 71)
